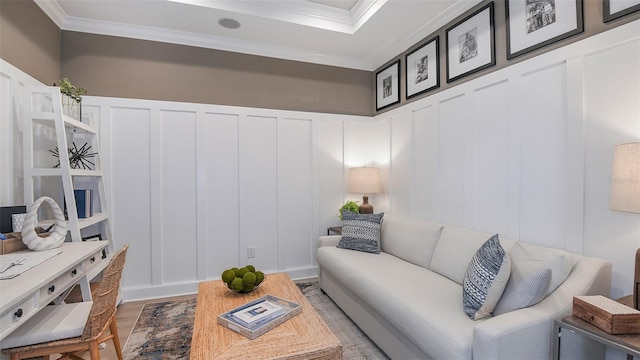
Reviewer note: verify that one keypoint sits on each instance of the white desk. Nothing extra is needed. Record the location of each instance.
(25, 295)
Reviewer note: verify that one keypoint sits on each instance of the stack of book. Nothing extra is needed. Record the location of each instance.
(259, 316)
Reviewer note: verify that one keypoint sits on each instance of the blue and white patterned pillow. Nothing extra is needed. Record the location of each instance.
(485, 279)
(361, 232)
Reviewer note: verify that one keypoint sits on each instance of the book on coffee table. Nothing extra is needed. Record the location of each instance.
(259, 316)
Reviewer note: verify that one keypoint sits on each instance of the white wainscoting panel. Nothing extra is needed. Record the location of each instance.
(129, 148)
(425, 166)
(220, 192)
(491, 162)
(455, 122)
(259, 190)
(192, 186)
(296, 241)
(401, 157)
(612, 107)
(544, 155)
(329, 173)
(12, 83)
(526, 151)
(177, 199)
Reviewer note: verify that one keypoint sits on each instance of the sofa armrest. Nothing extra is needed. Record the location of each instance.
(529, 330)
(328, 240)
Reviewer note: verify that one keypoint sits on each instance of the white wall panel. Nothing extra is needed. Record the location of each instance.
(612, 105)
(295, 194)
(259, 191)
(381, 137)
(178, 197)
(544, 155)
(130, 191)
(330, 187)
(221, 193)
(536, 164)
(454, 124)
(426, 143)
(401, 161)
(491, 151)
(12, 82)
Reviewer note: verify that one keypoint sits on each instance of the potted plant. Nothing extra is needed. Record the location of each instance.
(71, 99)
(349, 205)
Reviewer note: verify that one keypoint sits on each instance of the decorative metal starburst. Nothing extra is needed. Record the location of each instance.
(78, 158)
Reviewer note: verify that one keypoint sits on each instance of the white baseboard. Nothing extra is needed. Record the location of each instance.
(139, 293)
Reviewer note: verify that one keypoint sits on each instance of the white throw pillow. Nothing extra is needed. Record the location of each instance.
(485, 279)
(528, 283)
(560, 262)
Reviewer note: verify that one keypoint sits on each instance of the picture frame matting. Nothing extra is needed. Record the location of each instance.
(388, 86)
(470, 44)
(422, 67)
(534, 24)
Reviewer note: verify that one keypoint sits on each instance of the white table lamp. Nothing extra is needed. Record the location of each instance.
(365, 180)
(625, 193)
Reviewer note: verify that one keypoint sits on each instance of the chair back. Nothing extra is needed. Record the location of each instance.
(106, 297)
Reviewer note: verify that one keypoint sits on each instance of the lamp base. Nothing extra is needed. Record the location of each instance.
(365, 208)
(636, 283)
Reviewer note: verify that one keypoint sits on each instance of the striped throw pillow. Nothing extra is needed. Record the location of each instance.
(361, 232)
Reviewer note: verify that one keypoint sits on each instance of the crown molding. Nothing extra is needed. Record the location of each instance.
(54, 11)
(355, 18)
(209, 42)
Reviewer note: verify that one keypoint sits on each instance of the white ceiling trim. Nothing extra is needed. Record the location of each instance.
(369, 63)
(305, 13)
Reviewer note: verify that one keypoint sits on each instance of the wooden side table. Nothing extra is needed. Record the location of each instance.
(337, 230)
(630, 344)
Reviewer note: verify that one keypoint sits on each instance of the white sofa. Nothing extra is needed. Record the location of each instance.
(408, 298)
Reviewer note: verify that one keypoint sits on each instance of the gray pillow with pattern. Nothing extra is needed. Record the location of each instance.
(361, 232)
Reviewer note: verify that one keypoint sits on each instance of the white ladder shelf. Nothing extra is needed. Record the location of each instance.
(44, 109)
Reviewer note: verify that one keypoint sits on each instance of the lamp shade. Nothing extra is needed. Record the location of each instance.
(364, 180)
(625, 180)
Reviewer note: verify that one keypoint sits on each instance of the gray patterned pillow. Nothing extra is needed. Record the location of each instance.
(485, 279)
(528, 283)
(361, 232)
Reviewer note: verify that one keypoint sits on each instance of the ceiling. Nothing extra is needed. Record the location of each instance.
(358, 34)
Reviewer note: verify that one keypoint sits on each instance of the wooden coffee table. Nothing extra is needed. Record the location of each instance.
(305, 336)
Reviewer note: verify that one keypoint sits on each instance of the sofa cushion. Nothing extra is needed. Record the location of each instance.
(485, 279)
(410, 239)
(454, 251)
(406, 296)
(361, 232)
(528, 282)
(560, 262)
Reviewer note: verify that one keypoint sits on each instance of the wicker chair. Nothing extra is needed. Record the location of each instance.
(101, 315)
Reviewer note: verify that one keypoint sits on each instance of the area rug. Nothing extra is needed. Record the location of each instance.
(163, 330)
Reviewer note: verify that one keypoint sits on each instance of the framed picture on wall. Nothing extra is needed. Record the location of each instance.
(423, 68)
(388, 86)
(613, 9)
(471, 44)
(533, 24)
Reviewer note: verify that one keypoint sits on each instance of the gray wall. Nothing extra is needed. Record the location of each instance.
(121, 67)
(593, 24)
(29, 40)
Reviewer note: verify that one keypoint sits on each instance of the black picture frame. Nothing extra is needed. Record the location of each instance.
(471, 44)
(531, 26)
(422, 65)
(388, 86)
(618, 12)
